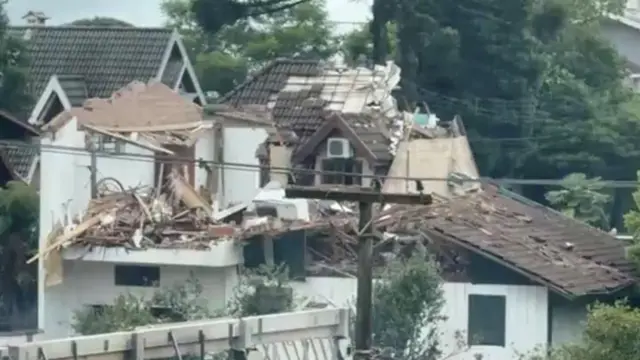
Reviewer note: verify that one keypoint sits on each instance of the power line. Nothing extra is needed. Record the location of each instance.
(68, 150)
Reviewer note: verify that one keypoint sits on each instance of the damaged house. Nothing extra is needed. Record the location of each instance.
(144, 136)
(506, 260)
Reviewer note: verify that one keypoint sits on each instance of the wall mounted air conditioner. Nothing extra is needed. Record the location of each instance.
(338, 148)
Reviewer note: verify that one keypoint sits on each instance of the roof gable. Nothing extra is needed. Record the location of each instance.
(107, 58)
(334, 121)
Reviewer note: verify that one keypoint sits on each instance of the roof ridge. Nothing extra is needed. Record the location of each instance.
(87, 27)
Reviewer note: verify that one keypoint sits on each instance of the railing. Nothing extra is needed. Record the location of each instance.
(201, 338)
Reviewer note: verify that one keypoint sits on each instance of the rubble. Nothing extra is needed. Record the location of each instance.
(173, 217)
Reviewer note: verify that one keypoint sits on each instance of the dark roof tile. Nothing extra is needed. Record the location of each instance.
(19, 158)
(107, 58)
(75, 88)
(566, 255)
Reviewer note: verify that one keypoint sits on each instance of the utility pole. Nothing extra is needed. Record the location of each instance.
(365, 197)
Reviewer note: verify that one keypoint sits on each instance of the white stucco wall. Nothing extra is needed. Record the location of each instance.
(92, 283)
(526, 313)
(240, 144)
(205, 149)
(65, 175)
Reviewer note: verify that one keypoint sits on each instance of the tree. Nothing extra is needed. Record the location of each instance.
(632, 223)
(19, 214)
(583, 199)
(408, 298)
(611, 332)
(539, 72)
(100, 21)
(224, 58)
(213, 15)
(14, 95)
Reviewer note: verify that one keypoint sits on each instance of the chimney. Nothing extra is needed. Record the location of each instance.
(35, 18)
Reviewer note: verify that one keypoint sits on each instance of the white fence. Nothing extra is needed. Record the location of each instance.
(275, 336)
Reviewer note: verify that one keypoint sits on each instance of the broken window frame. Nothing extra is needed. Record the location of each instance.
(136, 275)
(352, 166)
(104, 143)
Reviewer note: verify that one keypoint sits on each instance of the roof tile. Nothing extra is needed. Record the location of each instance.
(570, 256)
(107, 58)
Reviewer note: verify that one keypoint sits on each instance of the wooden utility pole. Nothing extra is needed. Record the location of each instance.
(365, 197)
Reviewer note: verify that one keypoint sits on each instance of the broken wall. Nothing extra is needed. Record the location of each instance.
(430, 158)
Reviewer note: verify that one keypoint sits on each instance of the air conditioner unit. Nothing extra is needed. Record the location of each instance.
(338, 148)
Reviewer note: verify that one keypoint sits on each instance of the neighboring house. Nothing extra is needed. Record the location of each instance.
(325, 118)
(141, 134)
(19, 151)
(70, 64)
(624, 33)
(514, 261)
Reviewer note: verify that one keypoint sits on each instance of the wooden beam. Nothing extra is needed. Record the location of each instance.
(356, 194)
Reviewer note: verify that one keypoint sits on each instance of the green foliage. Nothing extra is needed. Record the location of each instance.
(632, 223)
(538, 71)
(611, 332)
(582, 198)
(14, 96)
(19, 214)
(407, 298)
(126, 313)
(101, 21)
(263, 291)
(223, 58)
(181, 302)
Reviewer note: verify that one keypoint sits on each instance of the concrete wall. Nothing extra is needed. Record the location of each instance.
(92, 283)
(240, 184)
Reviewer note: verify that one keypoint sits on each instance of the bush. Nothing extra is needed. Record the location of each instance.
(263, 291)
(611, 332)
(407, 302)
(181, 302)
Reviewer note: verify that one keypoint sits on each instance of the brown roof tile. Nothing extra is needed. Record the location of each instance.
(566, 255)
(136, 107)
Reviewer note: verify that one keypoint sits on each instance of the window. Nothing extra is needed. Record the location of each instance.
(131, 275)
(351, 166)
(104, 143)
(487, 318)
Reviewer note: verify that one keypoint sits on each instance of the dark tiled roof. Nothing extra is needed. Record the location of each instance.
(19, 159)
(373, 132)
(75, 88)
(261, 87)
(107, 58)
(172, 72)
(566, 255)
(301, 110)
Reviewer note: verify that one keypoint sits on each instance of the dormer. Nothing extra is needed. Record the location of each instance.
(35, 18)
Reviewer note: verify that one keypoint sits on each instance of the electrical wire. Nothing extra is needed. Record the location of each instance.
(68, 150)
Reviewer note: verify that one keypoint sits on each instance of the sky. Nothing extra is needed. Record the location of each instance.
(147, 12)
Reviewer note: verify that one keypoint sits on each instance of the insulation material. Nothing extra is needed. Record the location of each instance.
(280, 157)
(430, 158)
(53, 262)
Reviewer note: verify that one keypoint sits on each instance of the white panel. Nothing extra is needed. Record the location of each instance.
(526, 305)
(241, 184)
(92, 283)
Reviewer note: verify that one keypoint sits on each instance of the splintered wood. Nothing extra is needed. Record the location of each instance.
(175, 218)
